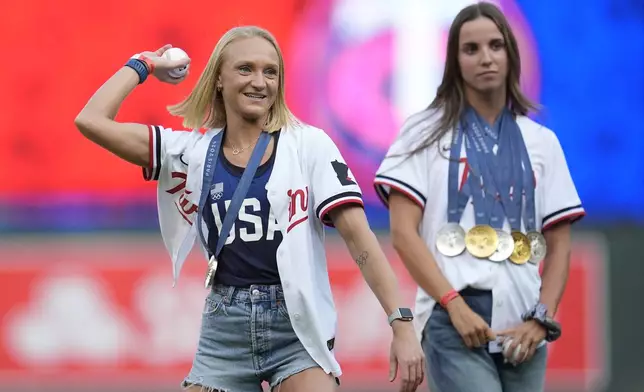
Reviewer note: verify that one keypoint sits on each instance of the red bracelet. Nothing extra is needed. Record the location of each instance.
(447, 298)
(147, 62)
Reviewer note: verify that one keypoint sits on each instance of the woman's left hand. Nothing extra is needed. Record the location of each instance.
(406, 356)
(527, 337)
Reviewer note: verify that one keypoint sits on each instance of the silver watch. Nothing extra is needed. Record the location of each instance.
(403, 314)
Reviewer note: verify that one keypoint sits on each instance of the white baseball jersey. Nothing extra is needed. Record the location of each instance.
(309, 178)
(423, 178)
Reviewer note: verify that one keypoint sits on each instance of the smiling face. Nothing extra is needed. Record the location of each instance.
(249, 78)
(482, 56)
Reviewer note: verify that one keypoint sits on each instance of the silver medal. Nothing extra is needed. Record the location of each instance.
(538, 247)
(450, 240)
(212, 268)
(505, 247)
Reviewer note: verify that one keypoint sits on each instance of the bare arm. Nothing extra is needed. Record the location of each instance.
(530, 334)
(556, 266)
(365, 249)
(96, 121)
(129, 141)
(405, 217)
(406, 353)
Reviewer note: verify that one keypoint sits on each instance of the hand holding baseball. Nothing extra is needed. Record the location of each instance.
(171, 65)
(520, 343)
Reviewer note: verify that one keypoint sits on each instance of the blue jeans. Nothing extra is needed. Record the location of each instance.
(246, 338)
(452, 367)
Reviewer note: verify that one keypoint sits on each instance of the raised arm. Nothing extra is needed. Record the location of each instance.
(129, 141)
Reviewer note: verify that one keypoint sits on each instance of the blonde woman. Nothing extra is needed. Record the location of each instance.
(271, 183)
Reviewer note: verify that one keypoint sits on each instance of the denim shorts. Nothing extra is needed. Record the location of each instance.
(246, 338)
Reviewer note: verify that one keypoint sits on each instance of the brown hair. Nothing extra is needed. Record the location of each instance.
(450, 95)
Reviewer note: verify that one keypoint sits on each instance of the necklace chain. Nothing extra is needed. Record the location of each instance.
(237, 150)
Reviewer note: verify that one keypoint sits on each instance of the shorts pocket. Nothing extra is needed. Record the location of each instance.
(282, 309)
(213, 305)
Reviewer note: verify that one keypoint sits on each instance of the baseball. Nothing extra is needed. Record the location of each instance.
(176, 54)
(512, 357)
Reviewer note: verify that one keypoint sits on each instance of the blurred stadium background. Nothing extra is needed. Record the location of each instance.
(87, 301)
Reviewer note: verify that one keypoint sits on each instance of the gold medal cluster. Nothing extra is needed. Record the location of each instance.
(485, 242)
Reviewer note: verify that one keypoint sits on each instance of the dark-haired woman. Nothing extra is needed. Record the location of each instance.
(479, 196)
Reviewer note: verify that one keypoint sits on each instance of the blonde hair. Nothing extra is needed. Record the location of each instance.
(204, 107)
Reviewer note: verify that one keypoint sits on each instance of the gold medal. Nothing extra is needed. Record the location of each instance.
(481, 241)
(521, 253)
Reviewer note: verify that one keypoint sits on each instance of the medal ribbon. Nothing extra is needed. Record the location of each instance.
(484, 201)
(240, 192)
(456, 201)
(529, 182)
(502, 171)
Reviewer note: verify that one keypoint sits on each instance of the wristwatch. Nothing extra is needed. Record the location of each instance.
(403, 314)
(540, 315)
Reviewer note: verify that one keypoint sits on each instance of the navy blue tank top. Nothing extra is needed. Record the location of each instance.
(249, 255)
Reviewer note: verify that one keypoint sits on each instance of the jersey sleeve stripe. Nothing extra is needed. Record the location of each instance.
(384, 184)
(332, 202)
(157, 151)
(571, 214)
(151, 173)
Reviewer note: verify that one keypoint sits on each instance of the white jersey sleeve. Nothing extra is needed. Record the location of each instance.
(167, 147)
(332, 183)
(402, 170)
(559, 198)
